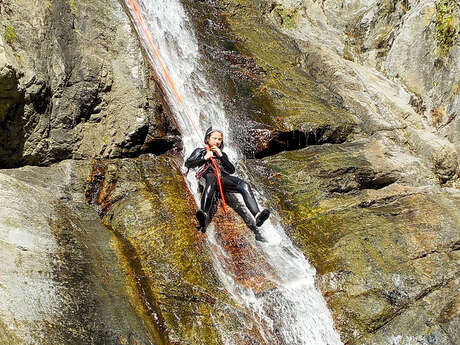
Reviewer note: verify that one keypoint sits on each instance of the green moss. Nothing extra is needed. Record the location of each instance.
(153, 218)
(288, 95)
(73, 7)
(47, 4)
(289, 17)
(361, 239)
(315, 225)
(446, 29)
(9, 34)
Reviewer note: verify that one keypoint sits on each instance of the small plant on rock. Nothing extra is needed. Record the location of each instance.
(446, 29)
(9, 34)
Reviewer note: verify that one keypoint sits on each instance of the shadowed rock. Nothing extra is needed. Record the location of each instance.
(73, 86)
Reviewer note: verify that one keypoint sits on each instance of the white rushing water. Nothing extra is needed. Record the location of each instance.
(293, 312)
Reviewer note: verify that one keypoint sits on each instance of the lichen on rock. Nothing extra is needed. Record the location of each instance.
(368, 238)
(447, 29)
(146, 205)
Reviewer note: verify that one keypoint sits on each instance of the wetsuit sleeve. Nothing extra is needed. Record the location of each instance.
(196, 158)
(229, 167)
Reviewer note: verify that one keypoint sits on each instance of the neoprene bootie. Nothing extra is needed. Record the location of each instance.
(259, 236)
(262, 217)
(202, 219)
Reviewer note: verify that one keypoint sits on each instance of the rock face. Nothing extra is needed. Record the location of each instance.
(353, 107)
(394, 63)
(375, 208)
(61, 278)
(106, 252)
(76, 85)
(384, 250)
(145, 202)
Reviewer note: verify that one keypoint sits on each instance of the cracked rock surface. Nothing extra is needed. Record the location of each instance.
(74, 85)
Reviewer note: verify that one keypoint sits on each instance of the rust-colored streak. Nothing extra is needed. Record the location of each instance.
(106, 201)
(100, 186)
(95, 183)
(245, 261)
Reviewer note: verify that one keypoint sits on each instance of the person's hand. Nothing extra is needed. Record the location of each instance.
(208, 155)
(217, 151)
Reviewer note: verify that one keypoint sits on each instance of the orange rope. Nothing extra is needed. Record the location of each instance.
(219, 181)
(140, 21)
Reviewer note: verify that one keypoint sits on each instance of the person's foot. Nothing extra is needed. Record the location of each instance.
(202, 219)
(259, 237)
(201, 229)
(261, 217)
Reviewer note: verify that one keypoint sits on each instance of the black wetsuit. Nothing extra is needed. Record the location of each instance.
(230, 183)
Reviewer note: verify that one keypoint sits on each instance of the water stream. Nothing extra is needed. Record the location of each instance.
(293, 312)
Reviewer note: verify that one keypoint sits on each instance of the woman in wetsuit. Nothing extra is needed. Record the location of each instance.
(200, 157)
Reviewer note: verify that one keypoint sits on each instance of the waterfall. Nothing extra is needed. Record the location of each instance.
(293, 311)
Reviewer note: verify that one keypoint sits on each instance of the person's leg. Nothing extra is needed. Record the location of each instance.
(251, 203)
(208, 192)
(248, 197)
(206, 200)
(235, 184)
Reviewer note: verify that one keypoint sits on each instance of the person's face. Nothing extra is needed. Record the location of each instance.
(215, 139)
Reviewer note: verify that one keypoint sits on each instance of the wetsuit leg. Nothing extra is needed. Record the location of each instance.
(208, 192)
(235, 184)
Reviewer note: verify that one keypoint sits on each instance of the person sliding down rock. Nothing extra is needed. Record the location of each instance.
(206, 173)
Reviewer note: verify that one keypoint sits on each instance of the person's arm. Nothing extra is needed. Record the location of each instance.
(229, 167)
(196, 158)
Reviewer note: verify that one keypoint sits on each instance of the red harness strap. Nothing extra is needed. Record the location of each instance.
(202, 170)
